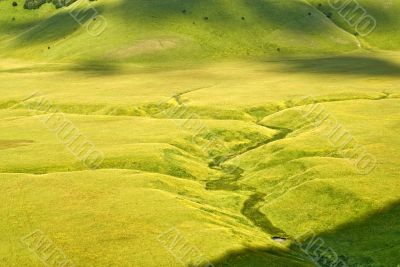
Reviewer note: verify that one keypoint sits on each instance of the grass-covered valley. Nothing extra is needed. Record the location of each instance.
(199, 133)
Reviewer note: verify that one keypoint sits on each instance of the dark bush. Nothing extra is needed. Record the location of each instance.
(62, 3)
(34, 4)
(328, 14)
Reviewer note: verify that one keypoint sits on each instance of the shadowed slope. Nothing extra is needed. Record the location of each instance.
(351, 243)
(347, 15)
(353, 240)
(344, 65)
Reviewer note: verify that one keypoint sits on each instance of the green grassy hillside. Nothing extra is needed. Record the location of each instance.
(154, 30)
(158, 31)
(156, 174)
(385, 13)
(212, 151)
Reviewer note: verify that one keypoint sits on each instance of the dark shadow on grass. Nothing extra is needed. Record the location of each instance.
(15, 27)
(268, 13)
(259, 257)
(372, 241)
(47, 30)
(385, 17)
(96, 68)
(163, 11)
(344, 65)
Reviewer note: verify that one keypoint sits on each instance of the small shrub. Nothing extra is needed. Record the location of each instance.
(328, 14)
(35, 4)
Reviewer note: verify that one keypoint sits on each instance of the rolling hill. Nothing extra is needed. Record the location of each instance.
(207, 116)
(154, 30)
(159, 31)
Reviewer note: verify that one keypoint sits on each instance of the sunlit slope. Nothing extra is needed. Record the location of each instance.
(170, 149)
(310, 184)
(159, 30)
(234, 90)
(280, 177)
(116, 217)
(272, 172)
(147, 185)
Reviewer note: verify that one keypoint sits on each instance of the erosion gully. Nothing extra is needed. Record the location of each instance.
(229, 181)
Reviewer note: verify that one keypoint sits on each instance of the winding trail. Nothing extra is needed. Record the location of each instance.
(178, 97)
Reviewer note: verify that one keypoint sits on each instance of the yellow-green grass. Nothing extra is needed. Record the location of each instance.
(150, 31)
(258, 168)
(114, 217)
(156, 174)
(156, 31)
(125, 141)
(177, 30)
(259, 88)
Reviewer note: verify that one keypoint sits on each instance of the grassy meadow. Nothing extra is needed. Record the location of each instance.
(207, 114)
